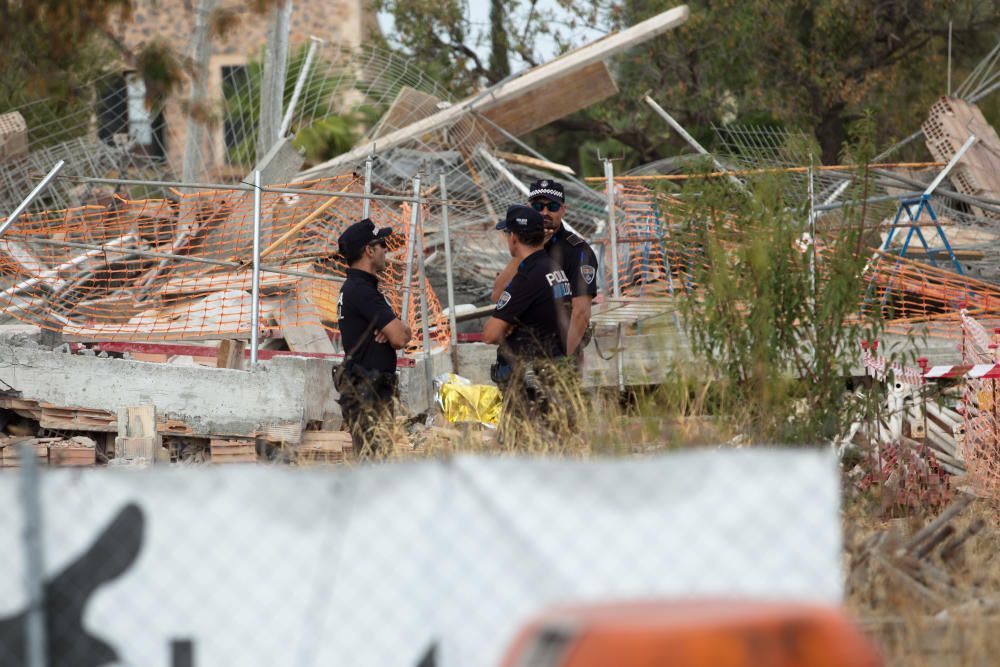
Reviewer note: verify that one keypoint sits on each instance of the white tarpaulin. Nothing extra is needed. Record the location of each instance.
(375, 565)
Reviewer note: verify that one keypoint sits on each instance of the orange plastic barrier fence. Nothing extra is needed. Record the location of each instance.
(179, 269)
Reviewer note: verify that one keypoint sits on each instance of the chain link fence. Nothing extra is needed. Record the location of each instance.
(430, 562)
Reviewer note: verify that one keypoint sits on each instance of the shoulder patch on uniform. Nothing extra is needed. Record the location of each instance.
(573, 239)
(588, 272)
(504, 299)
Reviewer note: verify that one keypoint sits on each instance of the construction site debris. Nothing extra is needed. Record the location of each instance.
(233, 451)
(950, 123)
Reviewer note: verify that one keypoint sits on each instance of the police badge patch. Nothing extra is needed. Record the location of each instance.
(588, 272)
(504, 298)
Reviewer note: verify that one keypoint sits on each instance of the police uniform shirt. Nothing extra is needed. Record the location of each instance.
(359, 306)
(537, 303)
(577, 259)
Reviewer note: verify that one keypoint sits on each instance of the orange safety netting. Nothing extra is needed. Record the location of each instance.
(658, 256)
(980, 443)
(101, 273)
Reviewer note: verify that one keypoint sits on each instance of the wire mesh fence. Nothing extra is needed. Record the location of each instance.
(424, 563)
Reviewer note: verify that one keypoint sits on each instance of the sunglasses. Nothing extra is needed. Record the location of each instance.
(553, 206)
(381, 242)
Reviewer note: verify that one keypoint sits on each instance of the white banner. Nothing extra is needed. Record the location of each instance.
(382, 565)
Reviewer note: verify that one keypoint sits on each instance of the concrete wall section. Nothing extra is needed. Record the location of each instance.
(277, 399)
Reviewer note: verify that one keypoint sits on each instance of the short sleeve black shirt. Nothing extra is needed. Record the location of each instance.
(363, 312)
(577, 259)
(537, 303)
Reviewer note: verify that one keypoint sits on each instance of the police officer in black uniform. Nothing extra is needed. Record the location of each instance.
(571, 253)
(531, 319)
(371, 333)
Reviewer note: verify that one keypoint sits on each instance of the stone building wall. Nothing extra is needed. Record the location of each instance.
(346, 23)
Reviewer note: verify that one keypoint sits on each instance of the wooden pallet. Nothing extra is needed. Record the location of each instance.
(72, 454)
(76, 419)
(11, 450)
(233, 451)
(323, 447)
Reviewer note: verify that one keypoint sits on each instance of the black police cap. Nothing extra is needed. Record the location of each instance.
(521, 218)
(354, 239)
(552, 190)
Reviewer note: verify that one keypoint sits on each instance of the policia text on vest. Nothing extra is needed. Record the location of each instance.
(530, 322)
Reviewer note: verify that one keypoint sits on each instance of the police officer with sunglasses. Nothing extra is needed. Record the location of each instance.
(571, 253)
(371, 333)
(529, 324)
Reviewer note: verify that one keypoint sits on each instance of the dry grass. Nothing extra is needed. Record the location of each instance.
(954, 620)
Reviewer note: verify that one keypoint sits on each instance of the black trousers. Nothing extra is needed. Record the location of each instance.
(367, 404)
(540, 394)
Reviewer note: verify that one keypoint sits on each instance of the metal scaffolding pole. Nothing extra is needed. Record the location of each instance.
(300, 83)
(367, 205)
(255, 278)
(449, 274)
(345, 194)
(691, 140)
(425, 320)
(609, 174)
(410, 249)
(37, 190)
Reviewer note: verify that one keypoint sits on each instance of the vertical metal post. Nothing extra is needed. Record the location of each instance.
(366, 206)
(255, 279)
(410, 249)
(300, 83)
(34, 564)
(37, 190)
(609, 174)
(425, 323)
(949, 58)
(812, 235)
(449, 273)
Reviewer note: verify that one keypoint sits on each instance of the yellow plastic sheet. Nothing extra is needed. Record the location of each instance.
(471, 403)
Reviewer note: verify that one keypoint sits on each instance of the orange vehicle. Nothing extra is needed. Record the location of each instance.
(692, 634)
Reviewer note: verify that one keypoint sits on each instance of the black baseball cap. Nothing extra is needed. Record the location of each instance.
(354, 239)
(521, 218)
(551, 190)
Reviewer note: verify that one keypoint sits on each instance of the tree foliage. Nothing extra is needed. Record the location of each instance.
(814, 65)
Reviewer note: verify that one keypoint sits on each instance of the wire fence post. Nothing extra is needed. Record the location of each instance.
(424, 318)
(410, 249)
(609, 174)
(36, 653)
(255, 279)
(367, 204)
(449, 273)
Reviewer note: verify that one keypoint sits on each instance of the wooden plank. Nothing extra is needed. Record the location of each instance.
(299, 319)
(233, 451)
(568, 94)
(534, 162)
(230, 354)
(518, 88)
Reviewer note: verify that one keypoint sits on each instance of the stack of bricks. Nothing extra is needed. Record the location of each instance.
(950, 123)
(233, 451)
(323, 447)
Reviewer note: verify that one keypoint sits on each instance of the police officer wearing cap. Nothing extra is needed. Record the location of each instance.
(371, 333)
(531, 319)
(571, 253)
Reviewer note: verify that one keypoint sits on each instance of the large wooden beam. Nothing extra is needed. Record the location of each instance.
(505, 92)
(568, 94)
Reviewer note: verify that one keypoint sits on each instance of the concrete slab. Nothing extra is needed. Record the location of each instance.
(276, 400)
